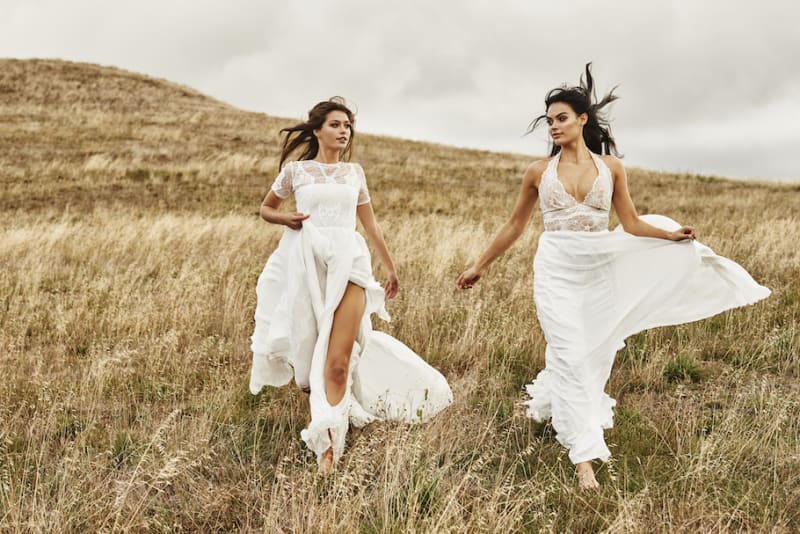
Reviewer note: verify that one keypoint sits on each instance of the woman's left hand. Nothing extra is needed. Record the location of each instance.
(684, 232)
(392, 285)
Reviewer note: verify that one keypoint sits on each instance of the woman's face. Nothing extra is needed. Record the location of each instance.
(564, 125)
(335, 131)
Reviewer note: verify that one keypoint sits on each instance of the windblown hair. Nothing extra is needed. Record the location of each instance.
(583, 99)
(301, 136)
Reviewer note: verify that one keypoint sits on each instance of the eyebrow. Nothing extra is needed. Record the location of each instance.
(556, 116)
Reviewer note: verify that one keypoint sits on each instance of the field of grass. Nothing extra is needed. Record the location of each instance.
(130, 246)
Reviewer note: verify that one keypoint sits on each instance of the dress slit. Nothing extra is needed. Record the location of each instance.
(299, 291)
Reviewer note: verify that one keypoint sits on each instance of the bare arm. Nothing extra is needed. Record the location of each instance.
(626, 211)
(269, 212)
(375, 237)
(512, 229)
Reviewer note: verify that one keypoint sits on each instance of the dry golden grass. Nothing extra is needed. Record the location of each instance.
(130, 248)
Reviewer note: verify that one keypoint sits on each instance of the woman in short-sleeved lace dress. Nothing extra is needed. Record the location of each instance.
(593, 288)
(317, 293)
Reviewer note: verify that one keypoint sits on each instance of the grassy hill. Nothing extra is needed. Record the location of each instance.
(130, 247)
(99, 137)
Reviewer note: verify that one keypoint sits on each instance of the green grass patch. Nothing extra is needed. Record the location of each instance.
(682, 369)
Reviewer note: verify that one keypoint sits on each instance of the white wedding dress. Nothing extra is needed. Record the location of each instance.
(298, 292)
(593, 288)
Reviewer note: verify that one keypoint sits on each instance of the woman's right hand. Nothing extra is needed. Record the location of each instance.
(294, 220)
(468, 278)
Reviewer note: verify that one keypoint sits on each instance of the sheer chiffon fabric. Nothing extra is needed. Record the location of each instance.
(298, 292)
(593, 289)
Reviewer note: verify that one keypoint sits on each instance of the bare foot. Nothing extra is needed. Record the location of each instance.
(326, 463)
(586, 478)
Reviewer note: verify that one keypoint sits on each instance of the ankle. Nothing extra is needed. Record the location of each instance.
(584, 466)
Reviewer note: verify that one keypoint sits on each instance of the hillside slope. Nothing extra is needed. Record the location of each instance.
(129, 253)
(80, 136)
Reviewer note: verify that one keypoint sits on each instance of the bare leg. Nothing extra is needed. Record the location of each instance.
(585, 474)
(346, 320)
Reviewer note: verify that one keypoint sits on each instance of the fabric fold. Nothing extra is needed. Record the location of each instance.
(594, 289)
(298, 293)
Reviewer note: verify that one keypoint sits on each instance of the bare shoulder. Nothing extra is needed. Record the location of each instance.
(533, 174)
(613, 163)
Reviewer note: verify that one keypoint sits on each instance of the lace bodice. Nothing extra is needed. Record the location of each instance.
(563, 212)
(329, 193)
(297, 174)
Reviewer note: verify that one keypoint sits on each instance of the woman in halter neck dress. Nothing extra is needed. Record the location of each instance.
(593, 288)
(317, 293)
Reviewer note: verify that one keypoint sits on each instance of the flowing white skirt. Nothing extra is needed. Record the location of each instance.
(594, 289)
(298, 292)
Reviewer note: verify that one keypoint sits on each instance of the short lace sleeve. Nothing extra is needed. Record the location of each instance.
(282, 186)
(363, 192)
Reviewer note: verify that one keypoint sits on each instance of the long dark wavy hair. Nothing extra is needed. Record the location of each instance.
(583, 99)
(301, 135)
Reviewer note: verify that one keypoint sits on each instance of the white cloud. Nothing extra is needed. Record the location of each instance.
(695, 77)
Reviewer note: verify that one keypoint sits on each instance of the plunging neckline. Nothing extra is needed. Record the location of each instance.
(564, 189)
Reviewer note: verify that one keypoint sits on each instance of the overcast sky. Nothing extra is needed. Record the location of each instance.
(707, 86)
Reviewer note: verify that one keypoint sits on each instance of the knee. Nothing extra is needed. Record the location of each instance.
(337, 371)
(337, 375)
